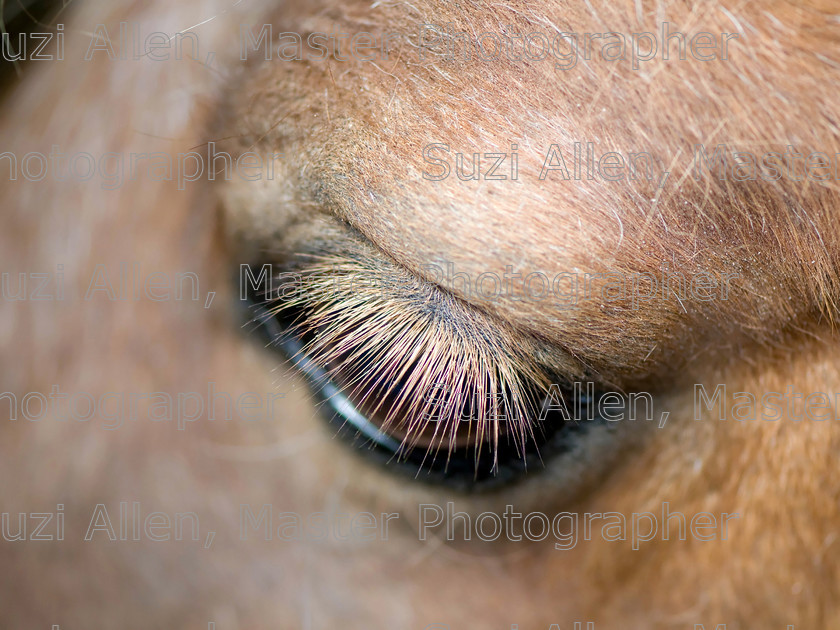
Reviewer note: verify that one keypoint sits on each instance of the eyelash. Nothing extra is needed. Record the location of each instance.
(370, 351)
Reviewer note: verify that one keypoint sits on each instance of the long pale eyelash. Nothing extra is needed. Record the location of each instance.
(401, 340)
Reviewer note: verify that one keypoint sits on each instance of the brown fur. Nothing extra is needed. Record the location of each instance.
(353, 134)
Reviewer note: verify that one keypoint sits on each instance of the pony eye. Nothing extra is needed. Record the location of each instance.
(418, 394)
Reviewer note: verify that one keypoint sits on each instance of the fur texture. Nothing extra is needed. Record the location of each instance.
(353, 134)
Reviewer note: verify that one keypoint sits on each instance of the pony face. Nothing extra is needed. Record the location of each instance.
(423, 315)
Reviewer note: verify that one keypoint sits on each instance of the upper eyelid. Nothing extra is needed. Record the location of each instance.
(389, 279)
(323, 233)
(407, 292)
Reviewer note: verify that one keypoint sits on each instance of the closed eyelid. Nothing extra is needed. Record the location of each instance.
(376, 346)
(380, 351)
(345, 258)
